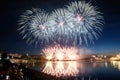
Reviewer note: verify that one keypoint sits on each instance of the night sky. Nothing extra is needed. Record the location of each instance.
(11, 40)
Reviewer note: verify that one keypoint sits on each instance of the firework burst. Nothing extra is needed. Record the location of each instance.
(77, 24)
(60, 23)
(58, 52)
(87, 22)
(35, 28)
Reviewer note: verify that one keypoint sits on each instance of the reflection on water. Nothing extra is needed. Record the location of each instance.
(61, 68)
(80, 70)
(116, 64)
(64, 68)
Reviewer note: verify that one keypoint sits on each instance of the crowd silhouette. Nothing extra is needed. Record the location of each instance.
(8, 70)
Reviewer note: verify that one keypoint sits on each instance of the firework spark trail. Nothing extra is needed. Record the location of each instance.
(62, 53)
(61, 23)
(77, 24)
(86, 20)
(35, 28)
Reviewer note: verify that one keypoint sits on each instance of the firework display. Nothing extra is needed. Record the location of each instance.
(76, 24)
(62, 53)
(86, 21)
(61, 32)
(34, 26)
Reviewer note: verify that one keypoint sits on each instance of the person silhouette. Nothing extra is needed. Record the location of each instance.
(6, 64)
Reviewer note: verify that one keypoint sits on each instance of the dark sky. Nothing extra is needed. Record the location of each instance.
(11, 41)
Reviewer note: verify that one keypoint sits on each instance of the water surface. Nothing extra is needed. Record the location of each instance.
(80, 70)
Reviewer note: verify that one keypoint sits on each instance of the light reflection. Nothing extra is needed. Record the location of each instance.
(115, 58)
(116, 64)
(106, 64)
(60, 68)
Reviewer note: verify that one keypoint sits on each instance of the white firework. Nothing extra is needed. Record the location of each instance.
(77, 24)
(35, 28)
(86, 20)
(60, 26)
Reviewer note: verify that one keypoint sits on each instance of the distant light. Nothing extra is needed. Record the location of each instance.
(8, 57)
(7, 77)
(105, 56)
(27, 54)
